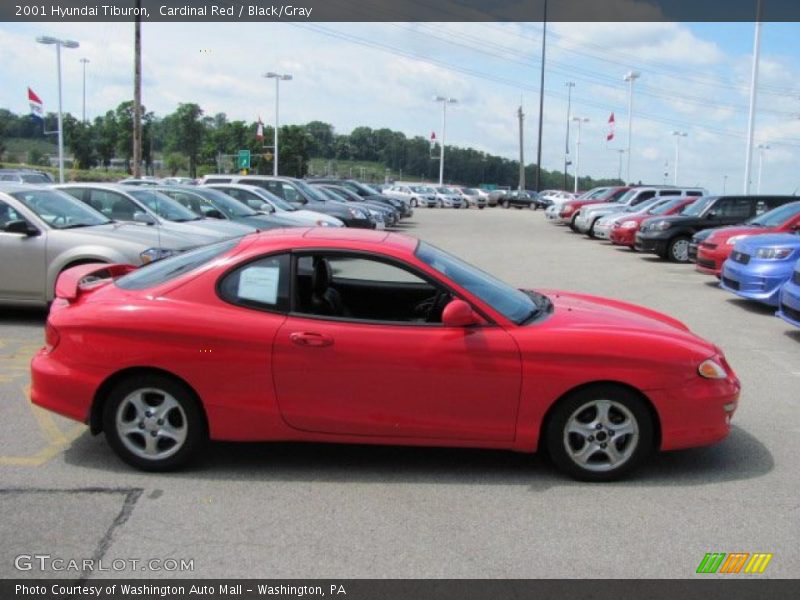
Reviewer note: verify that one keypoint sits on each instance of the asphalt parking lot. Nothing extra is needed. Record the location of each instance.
(290, 510)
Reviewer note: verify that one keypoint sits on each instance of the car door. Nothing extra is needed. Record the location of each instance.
(356, 375)
(23, 268)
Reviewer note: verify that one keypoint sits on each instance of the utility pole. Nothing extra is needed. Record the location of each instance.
(521, 117)
(621, 151)
(445, 101)
(578, 120)
(678, 135)
(630, 77)
(137, 93)
(537, 184)
(570, 85)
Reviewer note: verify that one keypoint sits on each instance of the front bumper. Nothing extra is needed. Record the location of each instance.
(623, 237)
(789, 307)
(358, 223)
(758, 280)
(698, 413)
(710, 258)
(602, 230)
(653, 242)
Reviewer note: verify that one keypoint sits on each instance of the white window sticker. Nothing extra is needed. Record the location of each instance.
(259, 284)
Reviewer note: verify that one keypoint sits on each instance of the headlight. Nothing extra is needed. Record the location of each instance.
(773, 253)
(357, 213)
(711, 369)
(567, 210)
(153, 254)
(731, 241)
(629, 225)
(661, 225)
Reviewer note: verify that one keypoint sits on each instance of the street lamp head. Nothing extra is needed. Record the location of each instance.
(70, 44)
(763, 146)
(46, 39)
(85, 60)
(581, 119)
(271, 75)
(452, 101)
(680, 133)
(439, 99)
(286, 77)
(632, 75)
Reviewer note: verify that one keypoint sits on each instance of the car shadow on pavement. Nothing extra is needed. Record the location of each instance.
(793, 334)
(23, 316)
(752, 306)
(739, 457)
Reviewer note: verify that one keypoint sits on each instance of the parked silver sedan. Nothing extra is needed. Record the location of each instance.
(44, 231)
(144, 206)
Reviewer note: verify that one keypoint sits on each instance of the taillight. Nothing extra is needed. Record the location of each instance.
(51, 337)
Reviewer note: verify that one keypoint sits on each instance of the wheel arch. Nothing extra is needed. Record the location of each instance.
(105, 388)
(600, 383)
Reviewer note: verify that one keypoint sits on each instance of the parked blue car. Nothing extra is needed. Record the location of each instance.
(759, 265)
(789, 309)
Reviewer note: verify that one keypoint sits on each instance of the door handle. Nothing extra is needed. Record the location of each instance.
(309, 338)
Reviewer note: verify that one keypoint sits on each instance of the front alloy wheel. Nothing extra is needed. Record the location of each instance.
(152, 422)
(600, 434)
(678, 250)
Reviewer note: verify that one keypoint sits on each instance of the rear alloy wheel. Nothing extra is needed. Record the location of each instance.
(600, 433)
(506, 204)
(414, 203)
(440, 204)
(154, 423)
(678, 249)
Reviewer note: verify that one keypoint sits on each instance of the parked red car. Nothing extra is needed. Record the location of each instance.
(371, 338)
(569, 210)
(718, 245)
(623, 233)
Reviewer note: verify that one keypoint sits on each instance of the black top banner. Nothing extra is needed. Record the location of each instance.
(403, 10)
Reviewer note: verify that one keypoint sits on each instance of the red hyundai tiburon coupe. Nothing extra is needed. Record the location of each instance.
(369, 337)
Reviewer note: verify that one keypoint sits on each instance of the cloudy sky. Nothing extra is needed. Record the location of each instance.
(694, 79)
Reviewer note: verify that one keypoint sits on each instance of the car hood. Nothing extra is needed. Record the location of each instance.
(720, 234)
(156, 237)
(750, 244)
(218, 227)
(584, 312)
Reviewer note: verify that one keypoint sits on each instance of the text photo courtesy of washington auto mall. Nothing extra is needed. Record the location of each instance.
(369, 299)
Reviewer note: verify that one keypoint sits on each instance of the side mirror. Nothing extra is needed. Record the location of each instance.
(22, 227)
(458, 313)
(214, 214)
(142, 217)
(266, 208)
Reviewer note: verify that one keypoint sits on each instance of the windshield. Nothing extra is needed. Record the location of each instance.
(595, 193)
(34, 178)
(310, 191)
(513, 304)
(164, 206)
(625, 197)
(225, 204)
(422, 190)
(776, 216)
(470, 191)
(59, 210)
(698, 206)
(444, 190)
(370, 190)
(645, 206)
(271, 198)
(660, 209)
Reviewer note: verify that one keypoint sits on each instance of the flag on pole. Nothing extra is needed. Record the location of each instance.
(433, 139)
(611, 124)
(36, 104)
(260, 130)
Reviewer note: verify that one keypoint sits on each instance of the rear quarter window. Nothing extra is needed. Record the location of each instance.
(167, 269)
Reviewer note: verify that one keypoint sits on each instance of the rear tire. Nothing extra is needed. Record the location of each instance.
(413, 203)
(154, 422)
(590, 231)
(600, 433)
(572, 222)
(506, 204)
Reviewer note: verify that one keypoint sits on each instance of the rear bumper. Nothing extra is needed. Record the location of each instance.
(58, 388)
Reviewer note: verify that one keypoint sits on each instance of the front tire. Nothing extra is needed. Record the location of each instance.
(601, 433)
(154, 423)
(678, 249)
(506, 204)
(413, 203)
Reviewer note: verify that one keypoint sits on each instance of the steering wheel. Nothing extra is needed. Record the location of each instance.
(431, 308)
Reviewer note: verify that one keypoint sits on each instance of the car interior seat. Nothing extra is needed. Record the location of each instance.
(325, 300)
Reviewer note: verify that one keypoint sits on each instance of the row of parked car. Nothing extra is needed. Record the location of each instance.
(751, 243)
(47, 228)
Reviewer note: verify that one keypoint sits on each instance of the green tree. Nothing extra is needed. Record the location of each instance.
(174, 162)
(105, 137)
(185, 132)
(294, 143)
(322, 139)
(79, 138)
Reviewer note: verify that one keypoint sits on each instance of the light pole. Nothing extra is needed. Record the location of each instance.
(445, 101)
(67, 44)
(630, 77)
(570, 85)
(578, 120)
(621, 151)
(761, 148)
(84, 61)
(278, 78)
(678, 135)
(724, 184)
(751, 114)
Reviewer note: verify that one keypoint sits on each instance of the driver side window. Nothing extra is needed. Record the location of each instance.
(365, 289)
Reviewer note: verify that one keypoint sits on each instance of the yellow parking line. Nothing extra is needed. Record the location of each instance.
(57, 439)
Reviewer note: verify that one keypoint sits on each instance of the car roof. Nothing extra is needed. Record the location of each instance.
(12, 186)
(336, 237)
